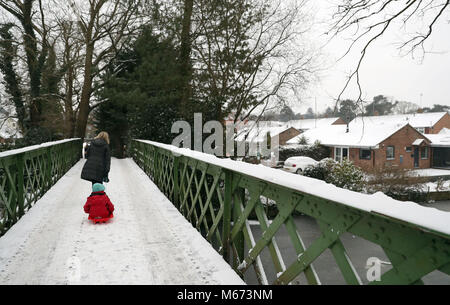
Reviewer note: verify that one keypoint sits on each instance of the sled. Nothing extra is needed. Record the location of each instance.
(100, 220)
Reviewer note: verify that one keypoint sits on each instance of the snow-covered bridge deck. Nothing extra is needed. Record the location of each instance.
(147, 242)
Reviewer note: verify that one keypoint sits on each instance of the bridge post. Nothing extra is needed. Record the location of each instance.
(176, 181)
(238, 241)
(227, 215)
(20, 183)
(48, 170)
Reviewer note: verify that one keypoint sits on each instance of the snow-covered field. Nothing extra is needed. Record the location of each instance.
(147, 242)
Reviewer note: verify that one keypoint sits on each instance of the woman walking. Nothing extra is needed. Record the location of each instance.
(96, 168)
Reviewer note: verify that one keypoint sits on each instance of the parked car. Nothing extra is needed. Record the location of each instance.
(298, 164)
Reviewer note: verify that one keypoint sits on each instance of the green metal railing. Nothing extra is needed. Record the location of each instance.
(220, 202)
(27, 173)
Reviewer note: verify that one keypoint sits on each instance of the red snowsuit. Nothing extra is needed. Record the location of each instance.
(98, 205)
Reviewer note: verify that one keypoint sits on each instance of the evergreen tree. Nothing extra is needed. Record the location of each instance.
(437, 108)
(286, 114)
(329, 113)
(11, 79)
(309, 113)
(142, 93)
(52, 113)
(348, 110)
(379, 106)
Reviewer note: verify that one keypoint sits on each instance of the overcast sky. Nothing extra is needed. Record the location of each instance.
(383, 70)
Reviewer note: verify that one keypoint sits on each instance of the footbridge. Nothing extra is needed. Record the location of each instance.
(185, 217)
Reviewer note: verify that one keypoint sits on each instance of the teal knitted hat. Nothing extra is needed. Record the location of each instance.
(98, 187)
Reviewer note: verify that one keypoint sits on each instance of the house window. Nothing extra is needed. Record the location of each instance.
(408, 149)
(390, 152)
(421, 129)
(344, 153)
(364, 154)
(424, 152)
(340, 153)
(337, 154)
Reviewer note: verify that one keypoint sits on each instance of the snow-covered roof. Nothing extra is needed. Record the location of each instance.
(257, 134)
(311, 123)
(439, 140)
(362, 132)
(257, 131)
(445, 131)
(416, 120)
(417, 142)
(265, 124)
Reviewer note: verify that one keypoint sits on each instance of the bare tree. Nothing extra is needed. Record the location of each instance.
(244, 54)
(106, 27)
(368, 20)
(250, 53)
(71, 60)
(34, 34)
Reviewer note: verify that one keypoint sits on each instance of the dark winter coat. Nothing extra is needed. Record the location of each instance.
(98, 205)
(98, 161)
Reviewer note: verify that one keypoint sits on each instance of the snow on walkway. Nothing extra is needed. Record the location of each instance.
(147, 242)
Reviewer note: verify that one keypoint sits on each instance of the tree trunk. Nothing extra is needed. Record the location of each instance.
(185, 62)
(69, 113)
(34, 67)
(85, 93)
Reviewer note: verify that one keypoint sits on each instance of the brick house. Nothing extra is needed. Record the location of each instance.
(287, 134)
(406, 148)
(440, 146)
(440, 124)
(374, 144)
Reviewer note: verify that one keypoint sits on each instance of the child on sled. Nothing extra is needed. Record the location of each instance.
(98, 205)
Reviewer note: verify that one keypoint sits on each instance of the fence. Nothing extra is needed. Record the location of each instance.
(27, 173)
(223, 198)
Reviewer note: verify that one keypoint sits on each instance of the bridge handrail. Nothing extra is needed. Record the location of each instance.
(429, 219)
(218, 196)
(27, 173)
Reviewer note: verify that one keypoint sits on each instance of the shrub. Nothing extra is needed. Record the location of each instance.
(398, 184)
(345, 174)
(303, 140)
(315, 151)
(321, 170)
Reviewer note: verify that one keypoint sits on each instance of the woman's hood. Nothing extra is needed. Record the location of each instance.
(99, 142)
